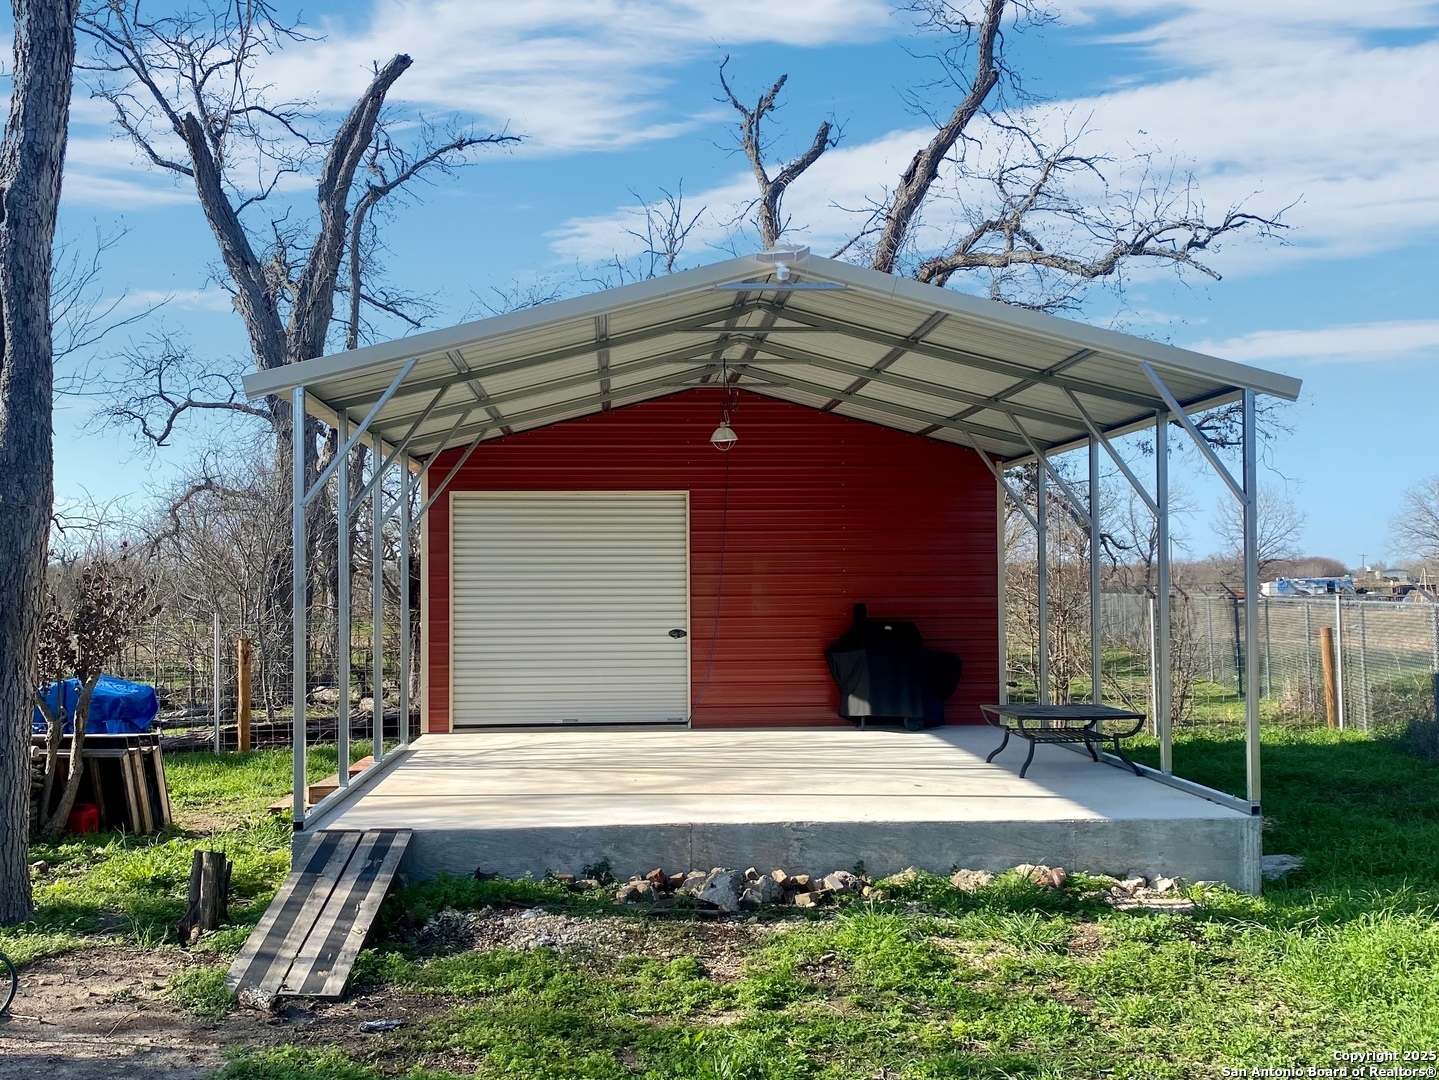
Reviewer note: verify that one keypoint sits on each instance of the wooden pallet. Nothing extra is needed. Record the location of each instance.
(124, 777)
(309, 936)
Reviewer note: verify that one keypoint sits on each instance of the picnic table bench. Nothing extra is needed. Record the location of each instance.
(1064, 724)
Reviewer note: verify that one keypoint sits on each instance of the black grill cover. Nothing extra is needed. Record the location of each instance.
(884, 671)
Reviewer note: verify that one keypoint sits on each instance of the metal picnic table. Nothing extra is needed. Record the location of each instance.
(1063, 724)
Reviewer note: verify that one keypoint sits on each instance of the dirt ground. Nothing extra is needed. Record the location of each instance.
(103, 1014)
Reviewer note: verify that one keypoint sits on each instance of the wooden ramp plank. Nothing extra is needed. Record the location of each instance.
(264, 945)
(308, 939)
(323, 966)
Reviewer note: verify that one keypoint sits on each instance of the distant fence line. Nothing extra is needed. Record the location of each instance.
(1387, 653)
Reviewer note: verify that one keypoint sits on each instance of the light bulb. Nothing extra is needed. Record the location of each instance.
(724, 436)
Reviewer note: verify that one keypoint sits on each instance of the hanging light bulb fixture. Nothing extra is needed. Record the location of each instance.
(724, 436)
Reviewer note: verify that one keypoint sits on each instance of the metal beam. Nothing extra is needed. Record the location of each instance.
(1095, 433)
(690, 324)
(1024, 384)
(298, 571)
(649, 388)
(907, 382)
(583, 378)
(1080, 512)
(1251, 600)
(1194, 433)
(1163, 680)
(404, 569)
(342, 614)
(602, 356)
(1096, 597)
(359, 431)
(884, 407)
(377, 614)
(891, 357)
(454, 470)
(1041, 537)
(811, 322)
(1014, 495)
(476, 390)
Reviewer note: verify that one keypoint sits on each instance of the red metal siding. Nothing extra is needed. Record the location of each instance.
(822, 512)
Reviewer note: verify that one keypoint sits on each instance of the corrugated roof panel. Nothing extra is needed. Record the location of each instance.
(946, 373)
(875, 416)
(543, 359)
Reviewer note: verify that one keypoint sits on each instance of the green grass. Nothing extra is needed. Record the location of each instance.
(1013, 981)
(117, 888)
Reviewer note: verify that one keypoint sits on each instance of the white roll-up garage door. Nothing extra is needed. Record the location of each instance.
(569, 607)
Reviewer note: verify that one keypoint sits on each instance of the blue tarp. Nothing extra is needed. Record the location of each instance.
(117, 707)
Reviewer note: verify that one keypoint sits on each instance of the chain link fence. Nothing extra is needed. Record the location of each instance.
(177, 655)
(1386, 656)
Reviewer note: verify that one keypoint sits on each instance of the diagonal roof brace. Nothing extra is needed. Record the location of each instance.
(1198, 436)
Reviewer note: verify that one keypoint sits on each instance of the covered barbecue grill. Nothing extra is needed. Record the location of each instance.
(884, 672)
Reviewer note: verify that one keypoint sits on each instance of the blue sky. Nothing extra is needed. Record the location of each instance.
(1325, 105)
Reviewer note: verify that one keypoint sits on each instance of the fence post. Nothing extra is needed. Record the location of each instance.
(1339, 654)
(242, 693)
(1209, 639)
(1268, 663)
(1153, 671)
(1331, 692)
(1239, 646)
(215, 679)
(1309, 662)
(1434, 656)
(1363, 670)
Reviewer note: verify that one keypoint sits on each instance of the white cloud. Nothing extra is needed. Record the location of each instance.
(1270, 103)
(569, 75)
(176, 299)
(1400, 339)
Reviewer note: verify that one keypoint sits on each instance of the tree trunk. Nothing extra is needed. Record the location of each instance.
(31, 158)
(56, 825)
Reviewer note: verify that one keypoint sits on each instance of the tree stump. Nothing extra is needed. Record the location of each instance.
(208, 899)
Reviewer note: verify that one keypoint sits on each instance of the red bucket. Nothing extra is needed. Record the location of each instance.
(84, 818)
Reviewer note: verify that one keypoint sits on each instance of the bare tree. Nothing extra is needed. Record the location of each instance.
(184, 90)
(32, 156)
(768, 215)
(1279, 524)
(84, 627)
(1414, 530)
(667, 226)
(1039, 220)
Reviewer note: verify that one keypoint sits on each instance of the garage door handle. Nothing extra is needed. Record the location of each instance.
(677, 633)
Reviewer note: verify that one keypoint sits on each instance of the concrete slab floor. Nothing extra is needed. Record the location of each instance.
(522, 800)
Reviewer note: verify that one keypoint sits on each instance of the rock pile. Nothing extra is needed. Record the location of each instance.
(728, 891)
(725, 891)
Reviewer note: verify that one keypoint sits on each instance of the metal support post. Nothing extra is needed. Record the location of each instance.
(216, 681)
(377, 608)
(1096, 599)
(1339, 654)
(404, 572)
(1002, 538)
(1163, 682)
(342, 612)
(1041, 534)
(298, 573)
(1251, 598)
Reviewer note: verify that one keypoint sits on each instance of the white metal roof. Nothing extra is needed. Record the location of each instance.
(834, 336)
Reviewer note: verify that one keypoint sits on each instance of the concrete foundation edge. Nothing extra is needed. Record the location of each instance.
(1207, 849)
